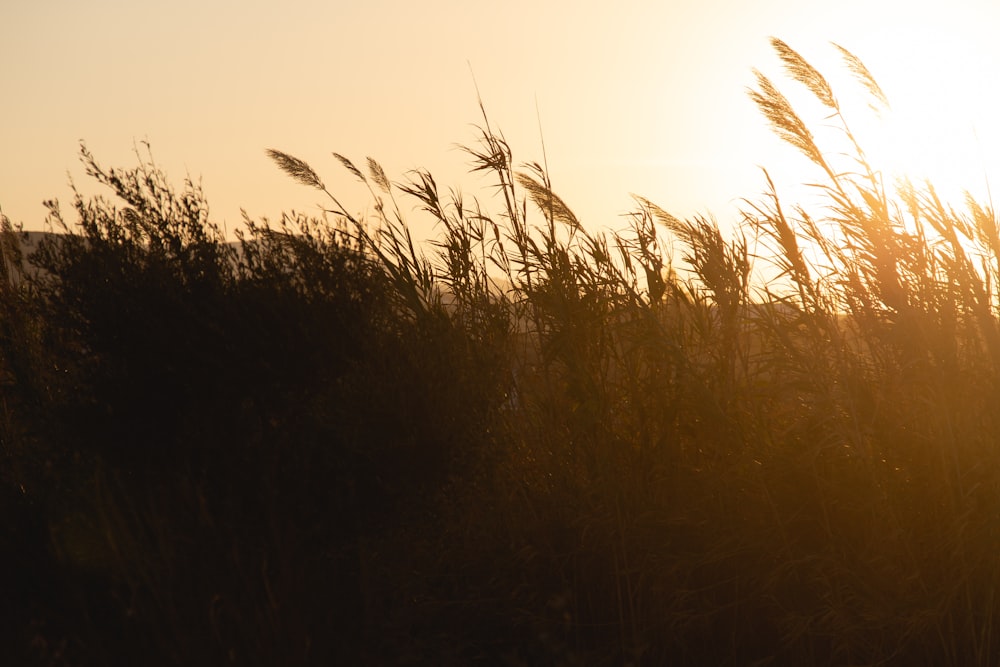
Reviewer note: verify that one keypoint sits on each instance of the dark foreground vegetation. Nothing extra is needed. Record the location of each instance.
(527, 444)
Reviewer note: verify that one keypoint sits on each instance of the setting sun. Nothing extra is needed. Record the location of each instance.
(942, 124)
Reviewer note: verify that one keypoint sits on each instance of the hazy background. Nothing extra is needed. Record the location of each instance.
(644, 97)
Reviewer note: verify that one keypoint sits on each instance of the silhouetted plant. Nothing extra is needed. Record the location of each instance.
(524, 442)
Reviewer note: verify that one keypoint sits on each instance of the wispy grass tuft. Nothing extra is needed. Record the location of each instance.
(296, 168)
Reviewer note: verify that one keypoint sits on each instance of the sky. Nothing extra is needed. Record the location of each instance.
(629, 97)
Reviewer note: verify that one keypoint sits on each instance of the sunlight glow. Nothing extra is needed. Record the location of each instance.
(927, 146)
(938, 128)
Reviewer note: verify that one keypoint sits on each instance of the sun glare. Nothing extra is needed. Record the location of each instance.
(938, 129)
(928, 146)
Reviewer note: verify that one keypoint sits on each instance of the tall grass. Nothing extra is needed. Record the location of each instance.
(527, 442)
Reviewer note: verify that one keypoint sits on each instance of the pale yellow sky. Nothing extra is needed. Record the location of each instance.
(645, 97)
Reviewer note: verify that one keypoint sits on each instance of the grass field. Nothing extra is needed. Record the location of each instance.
(527, 443)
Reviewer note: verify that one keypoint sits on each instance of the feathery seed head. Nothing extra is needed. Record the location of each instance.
(861, 73)
(804, 73)
(296, 168)
(785, 122)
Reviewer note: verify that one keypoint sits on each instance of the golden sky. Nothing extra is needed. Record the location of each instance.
(644, 97)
